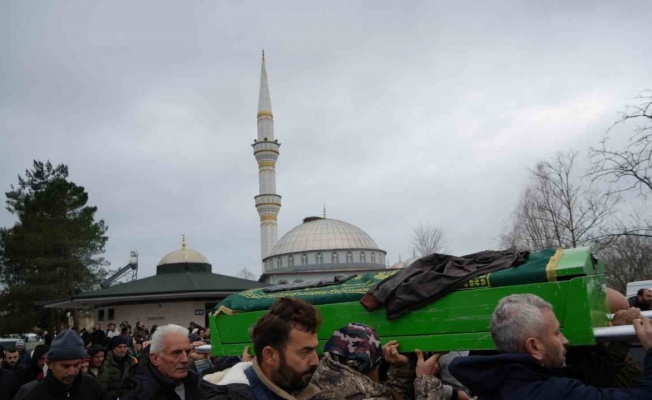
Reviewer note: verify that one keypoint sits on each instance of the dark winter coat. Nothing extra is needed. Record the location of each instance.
(116, 372)
(83, 388)
(519, 376)
(32, 371)
(23, 360)
(8, 384)
(97, 337)
(102, 377)
(432, 277)
(245, 381)
(144, 382)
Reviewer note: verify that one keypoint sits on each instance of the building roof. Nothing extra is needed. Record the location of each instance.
(184, 282)
(317, 233)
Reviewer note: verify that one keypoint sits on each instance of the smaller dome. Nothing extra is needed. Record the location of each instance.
(184, 256)
(406, 263)
(409, 261)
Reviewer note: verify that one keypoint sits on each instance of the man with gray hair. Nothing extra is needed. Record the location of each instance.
(527, 333)
(166, 376)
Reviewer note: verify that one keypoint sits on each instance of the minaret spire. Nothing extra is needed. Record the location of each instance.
(266, 151)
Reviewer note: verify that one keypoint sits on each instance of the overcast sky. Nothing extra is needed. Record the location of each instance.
(392, 114)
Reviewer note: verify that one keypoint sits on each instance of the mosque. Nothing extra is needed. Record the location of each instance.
(319, 248)
(185, 289)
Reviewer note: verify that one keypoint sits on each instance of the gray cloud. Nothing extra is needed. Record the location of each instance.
(390, 114)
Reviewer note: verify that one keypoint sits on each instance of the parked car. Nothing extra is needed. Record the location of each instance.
(32, 337)
(9, 340)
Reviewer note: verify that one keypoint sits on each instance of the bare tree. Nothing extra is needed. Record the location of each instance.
(244, 273)
(628, 168)
(626, 259)
(428, 239)
(554, 210)
(631, 165)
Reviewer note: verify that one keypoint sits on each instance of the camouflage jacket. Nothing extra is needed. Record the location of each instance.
(338, 381)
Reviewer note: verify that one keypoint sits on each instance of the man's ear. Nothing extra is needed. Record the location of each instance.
(154, 359)
(270, 356)
(534, 347)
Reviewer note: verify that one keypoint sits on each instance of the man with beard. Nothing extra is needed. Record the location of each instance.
(167, 375)
(8, 381)
(63, 380)
(527, 333)
(11, 360)
(642, 300)
(285, 344)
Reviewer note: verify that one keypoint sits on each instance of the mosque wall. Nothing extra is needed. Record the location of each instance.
(327, 259)
(161, 313)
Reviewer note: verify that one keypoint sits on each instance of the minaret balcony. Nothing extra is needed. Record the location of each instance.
(268, 199)
(266, 146)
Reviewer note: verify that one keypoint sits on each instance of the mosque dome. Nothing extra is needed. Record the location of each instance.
(183, 260)
(184, 256)
(321, 244)
(316, 233)
(406, 263)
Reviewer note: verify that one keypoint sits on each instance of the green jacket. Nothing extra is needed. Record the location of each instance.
(102, 377)
(116, 373)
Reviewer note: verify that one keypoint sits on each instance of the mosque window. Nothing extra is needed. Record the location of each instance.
(363, 257)
(304, 259)
(291, 261)
(110, 314)
(373, 257)
(349, 257)
(320, 258)
(279, 263)
(282, 282)
(381, 258)
(335, 258)
(100, 315)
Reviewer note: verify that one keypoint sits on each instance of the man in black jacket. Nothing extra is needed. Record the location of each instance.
(63, 380)
(167, 375)
(98, 335)
(8, 380)
(524, 328)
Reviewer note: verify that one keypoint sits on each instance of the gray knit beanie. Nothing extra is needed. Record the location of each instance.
(67, 346)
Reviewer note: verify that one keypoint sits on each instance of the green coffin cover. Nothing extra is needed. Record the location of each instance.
(542, 266)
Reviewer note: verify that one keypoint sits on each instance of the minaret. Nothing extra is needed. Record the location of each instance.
(266, 150)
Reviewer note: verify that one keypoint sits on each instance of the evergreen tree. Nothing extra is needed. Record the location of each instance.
(53, 250)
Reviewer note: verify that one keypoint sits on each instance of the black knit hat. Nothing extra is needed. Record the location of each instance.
(94, 349)
(117, 341)
(68, 345)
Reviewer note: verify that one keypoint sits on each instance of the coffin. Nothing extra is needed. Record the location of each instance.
(571, 280)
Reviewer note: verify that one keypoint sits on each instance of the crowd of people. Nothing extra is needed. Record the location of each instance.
(532, 361)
